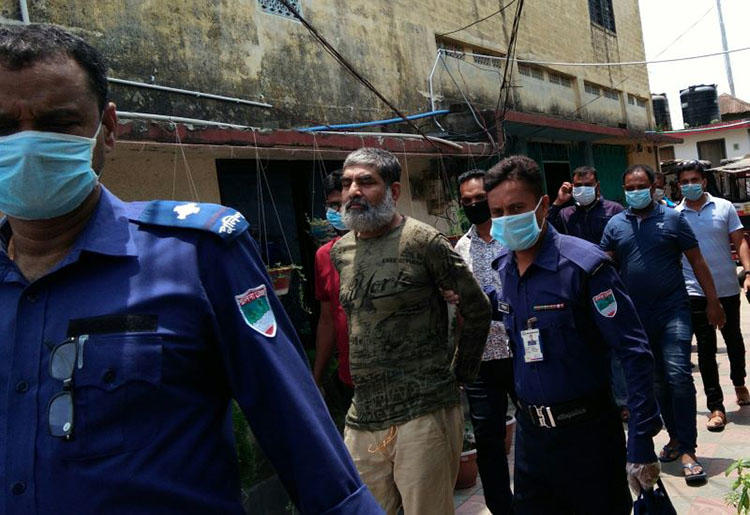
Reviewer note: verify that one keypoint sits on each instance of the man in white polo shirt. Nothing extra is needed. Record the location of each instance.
(715, 222)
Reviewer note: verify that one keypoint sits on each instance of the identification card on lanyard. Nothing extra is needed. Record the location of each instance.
(532, 343)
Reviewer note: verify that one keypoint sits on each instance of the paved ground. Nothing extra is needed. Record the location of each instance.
(715, 450)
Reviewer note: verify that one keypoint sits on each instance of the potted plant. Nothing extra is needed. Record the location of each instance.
(467, 468)
(281, 278)
(740, 495)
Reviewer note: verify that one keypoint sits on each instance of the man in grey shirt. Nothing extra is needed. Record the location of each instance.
(715, 222)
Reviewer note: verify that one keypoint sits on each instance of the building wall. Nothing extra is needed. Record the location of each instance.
(737, 143)
(137, 171)
(233, 48)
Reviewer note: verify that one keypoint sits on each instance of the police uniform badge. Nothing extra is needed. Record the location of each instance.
(256, 310)
(606, 303)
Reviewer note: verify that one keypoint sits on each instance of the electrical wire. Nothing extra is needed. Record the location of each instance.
(621, 63)
(341, 60)
(508, 71)
(478, 21)
(675, 40)
(470, 105)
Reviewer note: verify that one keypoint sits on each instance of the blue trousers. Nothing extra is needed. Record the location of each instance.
(577, 469)
(675, 389)
(488, 404)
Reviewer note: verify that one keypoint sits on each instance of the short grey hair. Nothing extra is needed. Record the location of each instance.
(385, 163)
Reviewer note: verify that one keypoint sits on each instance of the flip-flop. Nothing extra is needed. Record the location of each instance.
(694, 479)
(669, 454)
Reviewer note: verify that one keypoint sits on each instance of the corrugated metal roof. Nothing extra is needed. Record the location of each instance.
(732, 105)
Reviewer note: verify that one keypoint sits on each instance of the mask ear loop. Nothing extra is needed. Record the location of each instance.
(93, 146)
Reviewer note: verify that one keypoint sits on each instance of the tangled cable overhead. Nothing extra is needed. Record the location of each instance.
(350, 68)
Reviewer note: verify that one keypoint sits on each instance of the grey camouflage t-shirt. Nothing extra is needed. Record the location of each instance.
(401, 357)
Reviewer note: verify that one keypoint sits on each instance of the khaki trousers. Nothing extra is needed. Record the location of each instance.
(414, 464)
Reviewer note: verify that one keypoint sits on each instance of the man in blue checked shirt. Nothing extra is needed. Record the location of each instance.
(565, 309)
(128, 328)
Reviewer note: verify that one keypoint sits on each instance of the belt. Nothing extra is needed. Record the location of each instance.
(567, 413)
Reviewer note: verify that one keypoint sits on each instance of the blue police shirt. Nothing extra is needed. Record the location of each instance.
(582, 312)
(179, 317)
(649, 253)
(584, 222)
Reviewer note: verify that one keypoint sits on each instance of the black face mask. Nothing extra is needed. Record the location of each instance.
(477, 213)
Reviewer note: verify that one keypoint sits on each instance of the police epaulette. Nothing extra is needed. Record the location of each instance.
(223, 221)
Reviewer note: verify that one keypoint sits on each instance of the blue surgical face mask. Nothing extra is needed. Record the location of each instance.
(517, 232)
(334, 218)
(692, 191)
(638, 199)
(658, 194)
(45, 174)
(584, 195)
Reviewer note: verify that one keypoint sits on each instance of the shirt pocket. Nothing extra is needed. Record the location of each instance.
(555, 329)
(115, 396)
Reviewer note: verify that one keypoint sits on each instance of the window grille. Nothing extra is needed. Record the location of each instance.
(562, 80)
(591, 89)
(452, 50)
(279, 9)
(487, 61)
(602, 13)
(631, 100)
(611, 94)
(530, 71)
(640, 102)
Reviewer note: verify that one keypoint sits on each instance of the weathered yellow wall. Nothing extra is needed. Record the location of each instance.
(231, 47)
(146, 172)
(138, 171)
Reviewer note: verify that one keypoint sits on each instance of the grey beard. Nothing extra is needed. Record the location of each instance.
(372, 218)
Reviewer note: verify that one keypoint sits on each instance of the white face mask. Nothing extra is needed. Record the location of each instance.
(584, 195)
(658, 194)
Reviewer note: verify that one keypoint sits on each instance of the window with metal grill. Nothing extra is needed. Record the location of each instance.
(530, 71)
(591, 89)
(279, 9)
(486, 60)
(602, 13)
(452, 49)
(611, 94)
(558, 78)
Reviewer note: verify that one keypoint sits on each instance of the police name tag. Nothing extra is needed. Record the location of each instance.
(532, 346)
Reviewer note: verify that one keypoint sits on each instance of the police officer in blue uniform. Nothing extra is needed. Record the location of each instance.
(565, 310)
(128, 328)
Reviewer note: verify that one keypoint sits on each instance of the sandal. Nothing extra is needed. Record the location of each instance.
(717, 420)
(694, 478)
(743, 396)
(669, 454)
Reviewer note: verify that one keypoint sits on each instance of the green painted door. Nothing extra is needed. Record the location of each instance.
(610, 162)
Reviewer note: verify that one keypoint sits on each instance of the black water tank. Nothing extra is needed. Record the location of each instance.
(700, 105)
(661, 111)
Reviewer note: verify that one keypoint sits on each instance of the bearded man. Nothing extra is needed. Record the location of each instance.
(404, 428)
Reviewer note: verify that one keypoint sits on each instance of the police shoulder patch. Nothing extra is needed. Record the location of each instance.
(256, 310)
(606, 303)
(223, 221)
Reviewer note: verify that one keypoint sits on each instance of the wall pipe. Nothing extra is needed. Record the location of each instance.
(397, 135)
(194, 121)
(179, 119)
(197, 94)
(429, 81)
(24, 12)
(388, 121)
